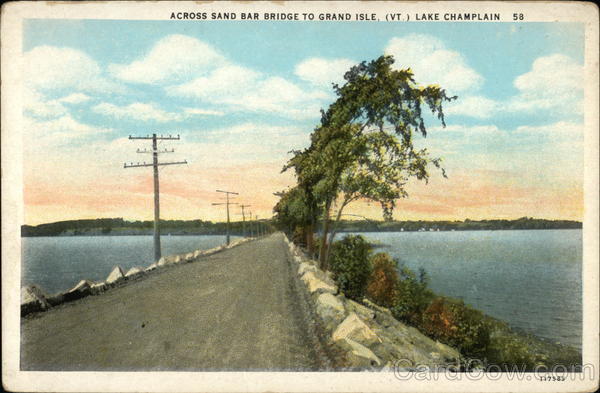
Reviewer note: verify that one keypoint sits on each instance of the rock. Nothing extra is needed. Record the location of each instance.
(189, 257)
(98, 287)
(361, 310)
(82, 286)
(359, 355)
(197, 253)
(133, 272)
(354, 328)
(82, 289)
(213, 250)
(116, 275)
(178, 259)
(306, 267)
(151, 267)
(56, 299)
(330, 309)
(317, 286)
(33, 300)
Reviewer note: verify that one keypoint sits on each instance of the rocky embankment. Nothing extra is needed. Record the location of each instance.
(33, 299)
(368, 335)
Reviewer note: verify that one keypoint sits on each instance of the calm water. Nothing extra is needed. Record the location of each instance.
(58, 263)
(530, 279)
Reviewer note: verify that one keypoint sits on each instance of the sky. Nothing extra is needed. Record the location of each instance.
(243, 94)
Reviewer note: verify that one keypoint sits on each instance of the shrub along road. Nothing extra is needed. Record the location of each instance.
(240, 309)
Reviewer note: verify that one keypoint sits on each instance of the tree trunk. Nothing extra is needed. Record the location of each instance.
(323, 249)
(310, 240)
(334, 229)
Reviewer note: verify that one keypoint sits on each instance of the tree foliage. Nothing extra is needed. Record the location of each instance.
(363, 147)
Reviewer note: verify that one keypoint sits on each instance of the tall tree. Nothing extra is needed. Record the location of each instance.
(363, 147)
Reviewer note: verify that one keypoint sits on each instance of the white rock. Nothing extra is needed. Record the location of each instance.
(177, 259)
(82, 286)
(354, 328)
(32, 298)
(151, 267)
(363, 356)
(330, 309)
(197, 253)
(306, 267)
(189, 257)
(115, 275)
(316, 285)
(98, 286)
(134, 271)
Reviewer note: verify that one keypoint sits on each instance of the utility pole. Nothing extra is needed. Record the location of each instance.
(155, 164)
(227, 193)
(244, 219)
(250, 224)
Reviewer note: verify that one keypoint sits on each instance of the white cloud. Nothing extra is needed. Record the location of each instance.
(38, 135)
(173, 58)
(137, 111)
(34, 103)
(555, 82)
(202, 112)
(242, 89)
(473, 106)
(561, 129)
(433, 63)
(323, 72)
(49, 67)
(75, 98)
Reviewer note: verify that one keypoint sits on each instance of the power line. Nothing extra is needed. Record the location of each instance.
(227, 193)
(155, 164)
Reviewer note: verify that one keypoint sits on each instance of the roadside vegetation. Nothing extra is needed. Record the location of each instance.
(364, 149)
(484, 340)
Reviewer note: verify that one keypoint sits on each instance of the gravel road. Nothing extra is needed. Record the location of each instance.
(236, 310)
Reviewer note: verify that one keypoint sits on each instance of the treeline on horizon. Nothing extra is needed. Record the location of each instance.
(119, 226)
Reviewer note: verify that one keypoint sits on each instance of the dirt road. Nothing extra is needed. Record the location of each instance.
(236, 310)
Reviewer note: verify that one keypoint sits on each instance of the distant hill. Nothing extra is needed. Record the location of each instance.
(119, 226)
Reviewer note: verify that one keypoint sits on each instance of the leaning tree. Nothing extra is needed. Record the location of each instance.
(363, 147)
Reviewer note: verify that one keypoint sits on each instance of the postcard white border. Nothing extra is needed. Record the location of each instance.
(12, 206)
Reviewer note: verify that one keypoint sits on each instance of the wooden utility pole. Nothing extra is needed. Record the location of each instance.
(155, 164)
(227, 193)
(250, 224)
(244, 219)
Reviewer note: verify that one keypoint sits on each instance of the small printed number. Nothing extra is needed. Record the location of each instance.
(552, 378)
(517, 16)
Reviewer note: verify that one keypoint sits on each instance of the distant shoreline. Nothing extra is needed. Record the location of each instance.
(121, 227)
(94, 234)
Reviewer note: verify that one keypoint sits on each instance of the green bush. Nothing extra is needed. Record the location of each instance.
(458, 325)
(351, 266)
(506, 350)
(412, 296)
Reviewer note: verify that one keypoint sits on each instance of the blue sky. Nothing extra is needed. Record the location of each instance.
(242, 94)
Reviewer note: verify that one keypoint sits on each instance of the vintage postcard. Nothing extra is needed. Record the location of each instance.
(300, 196)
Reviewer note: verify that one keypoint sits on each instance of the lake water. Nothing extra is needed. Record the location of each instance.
(530, 279)
(58, 263)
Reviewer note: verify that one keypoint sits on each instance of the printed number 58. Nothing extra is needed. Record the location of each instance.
(517, 16)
